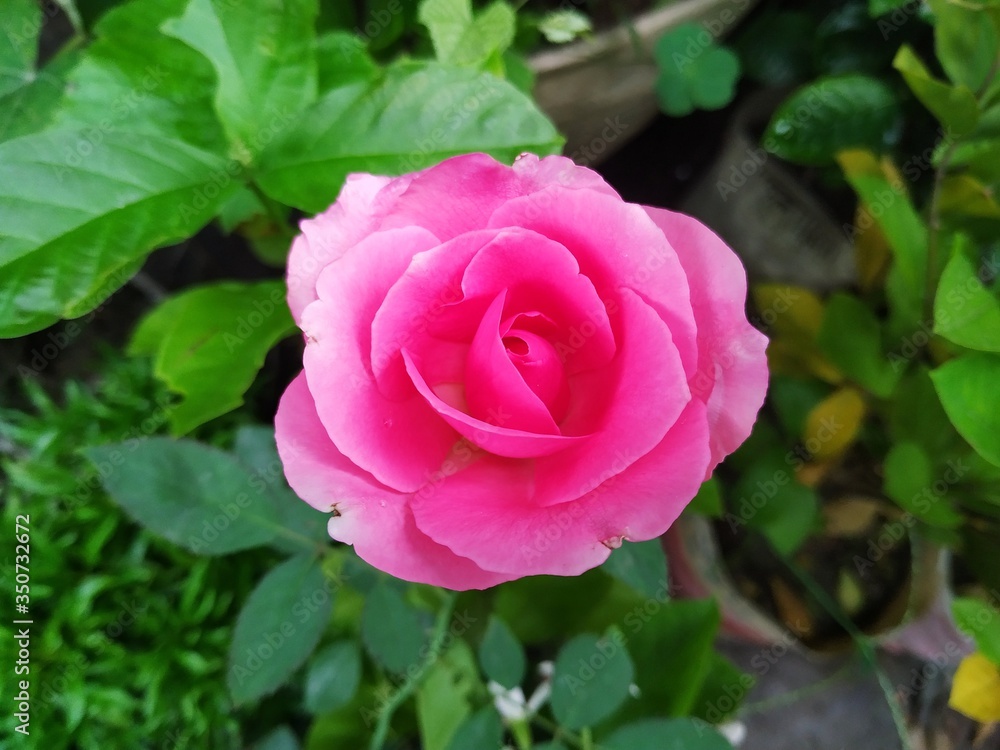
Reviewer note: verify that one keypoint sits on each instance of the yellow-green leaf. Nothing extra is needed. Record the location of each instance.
(976, 689)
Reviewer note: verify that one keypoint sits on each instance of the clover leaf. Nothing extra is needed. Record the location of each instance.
(695, 73)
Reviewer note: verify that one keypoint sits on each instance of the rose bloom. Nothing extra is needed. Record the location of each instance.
(509, 370)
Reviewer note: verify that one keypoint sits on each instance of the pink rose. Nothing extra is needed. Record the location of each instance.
(510, 370)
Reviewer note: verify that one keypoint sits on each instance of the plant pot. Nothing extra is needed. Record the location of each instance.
(916, 621)
(600, 91)
(778, 225)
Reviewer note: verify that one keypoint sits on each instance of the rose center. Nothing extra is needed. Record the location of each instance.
(541, 369)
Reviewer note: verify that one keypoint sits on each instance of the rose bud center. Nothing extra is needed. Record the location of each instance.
(540, 367)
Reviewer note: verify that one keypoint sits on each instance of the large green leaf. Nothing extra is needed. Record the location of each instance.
(965, 311)
(278, 627)
(77, 222)
(189, 493)
(462, 38)
(967, 386)
(33, 106)
(135, 79)
(414, 116)
(666, 734)
(20, 24)
(591, 679)
(833, 114)
(264, 57)
(851, 338)
(954, 106)
(210, 341)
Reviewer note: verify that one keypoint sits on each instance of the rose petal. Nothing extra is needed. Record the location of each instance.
(486, 512)
(372, 517)
(363, 201)
(459, 194)
(639, 396)
(732, 368)
(495, 391)
(501, 441)
(617, 246)
(400, 442)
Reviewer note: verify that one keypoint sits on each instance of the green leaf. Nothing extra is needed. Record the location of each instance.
(967, 386)
(278, 628)
(463, 39)
(708, 501)
(415, 116)
(851, 338)
(770, 500)
(391, 630)
(501, 654)
(78, 222)
(878, 8)
(20, 25)
(134, 79)
(481, 731)
(965, 311)
(982, 622)
(591, 679)
(264, 57)
(833, 114)
(256, 451)
(443, 696)
(666, 734)
(641, 565)
(32, 107)
(776, 48)
(927, 426)
(563, 26)
(722, 691)
(342, 58)
(900, 222)
(955, 107)
(544, 608)
(210, 341)
(965, 42)
(333, 677)
(672, 644)
(908, 480)
(793, 399)
(189, 493)
(694, 72)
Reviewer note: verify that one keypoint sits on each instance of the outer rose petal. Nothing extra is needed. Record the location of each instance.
(486, 512)
(401, 442)
(732, 367)
(362, 202)
(459, 194)
(374, 518)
